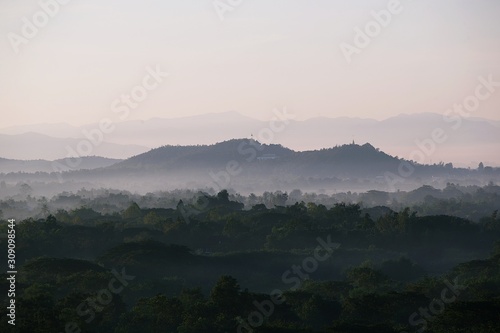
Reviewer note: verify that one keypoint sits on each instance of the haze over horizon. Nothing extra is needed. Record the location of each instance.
(188, 166)
(19, 127)
(190, 72)
(261, 56)
(473, 143)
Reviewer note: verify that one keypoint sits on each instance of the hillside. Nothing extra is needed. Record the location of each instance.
(248, 166)
(467, 145)
(257, 159)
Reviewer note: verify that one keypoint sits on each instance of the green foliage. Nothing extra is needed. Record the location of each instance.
(152, 219)
(205, 273)
(226, 293)
(156, 314)
(366, 280)
(132, 212)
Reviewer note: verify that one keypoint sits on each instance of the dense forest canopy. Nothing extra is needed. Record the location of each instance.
(190, 261)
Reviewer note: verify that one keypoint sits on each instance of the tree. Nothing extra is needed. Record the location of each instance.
(155, 314)
(152, 219)
(132, 212)
(295, 195)
(25, 189)
(365, 279)
(226, 293)
(280, 198)
(223, 196)
(234, 228)
(44, 206)
(496, 249)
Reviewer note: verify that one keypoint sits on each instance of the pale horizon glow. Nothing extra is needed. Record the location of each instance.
(263, 55)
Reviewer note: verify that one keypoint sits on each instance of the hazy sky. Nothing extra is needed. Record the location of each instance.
(264, 54)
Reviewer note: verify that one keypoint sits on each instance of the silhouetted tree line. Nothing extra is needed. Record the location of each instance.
(208, 263)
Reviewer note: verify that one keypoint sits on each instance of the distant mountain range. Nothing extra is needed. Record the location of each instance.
(33, 146)
(86, 163)
(472, 142)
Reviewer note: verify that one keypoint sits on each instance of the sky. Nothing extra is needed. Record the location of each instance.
(250, 57)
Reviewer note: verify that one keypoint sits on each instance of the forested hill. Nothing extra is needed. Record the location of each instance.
(201, 156)
(349, 160)
(254, 158)
(249, 166)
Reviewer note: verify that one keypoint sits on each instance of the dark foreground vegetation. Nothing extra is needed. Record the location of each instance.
(214, 264)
